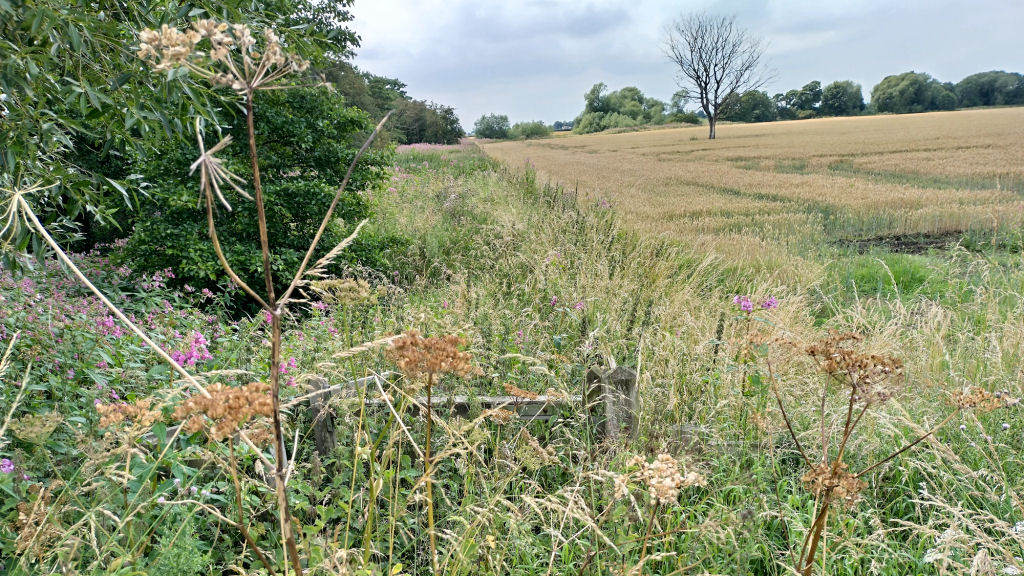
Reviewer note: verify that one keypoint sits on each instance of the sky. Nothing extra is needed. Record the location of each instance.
(534, 59)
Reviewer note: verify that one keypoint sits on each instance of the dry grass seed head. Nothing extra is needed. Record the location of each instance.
(500, 415)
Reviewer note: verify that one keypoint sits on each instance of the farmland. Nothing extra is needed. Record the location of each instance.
(794, 186)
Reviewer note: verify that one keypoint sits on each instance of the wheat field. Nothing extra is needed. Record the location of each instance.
(790, 186)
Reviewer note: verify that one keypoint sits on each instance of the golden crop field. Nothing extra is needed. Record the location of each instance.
(762, 187)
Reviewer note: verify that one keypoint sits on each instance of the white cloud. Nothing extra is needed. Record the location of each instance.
(534, 59)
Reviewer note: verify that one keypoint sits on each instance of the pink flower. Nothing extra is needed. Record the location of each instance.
(770, 303)
(6, 466)
(744, 303)
(578, 306)
(554, 300)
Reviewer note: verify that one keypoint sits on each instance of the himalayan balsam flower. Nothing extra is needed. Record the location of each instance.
(744, 303)
(6, 466)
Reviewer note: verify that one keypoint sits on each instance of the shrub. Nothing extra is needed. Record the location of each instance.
(491, 126)
(527, 130)
(306, 145)
(685, 118)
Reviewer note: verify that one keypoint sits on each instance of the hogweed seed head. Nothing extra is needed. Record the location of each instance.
(417, 356)
(844, 486)
(222, 413)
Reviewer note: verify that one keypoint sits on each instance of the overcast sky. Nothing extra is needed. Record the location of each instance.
(534, 59)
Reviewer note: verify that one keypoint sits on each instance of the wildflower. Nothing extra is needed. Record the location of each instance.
(205, 493)
(770, 303)
(578, 306)
(744, 303)
(554, 300)
(177, 481)
(621, 483)
(963, 427)
(1006, 425)
(192, 490)
(161, 500)
(6, 466)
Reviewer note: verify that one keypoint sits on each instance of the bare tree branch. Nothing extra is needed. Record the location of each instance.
(716, 59)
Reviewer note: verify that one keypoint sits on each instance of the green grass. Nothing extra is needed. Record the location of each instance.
(543, 288)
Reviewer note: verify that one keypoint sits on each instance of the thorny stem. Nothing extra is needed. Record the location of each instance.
(241, 518)
(429, 481)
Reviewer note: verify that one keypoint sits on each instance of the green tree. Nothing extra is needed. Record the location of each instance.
(808, 98)
(677, 104)
(307, 139)
(752, 106)
(491, 126)
(595, 100)
(995, 88)
(911, 92)
(79, 107)
(419, 121)
(842, 98)
(529, 130)
(623, 108)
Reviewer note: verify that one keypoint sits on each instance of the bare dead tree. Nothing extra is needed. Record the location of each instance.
(716, 59)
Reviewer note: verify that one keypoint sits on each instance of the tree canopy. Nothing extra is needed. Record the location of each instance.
(78, 105)
(842, 98)
(995, 88)
(912, 92)
(623, 108)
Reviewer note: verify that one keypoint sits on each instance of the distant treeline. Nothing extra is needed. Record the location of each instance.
(412, 121)
(898, 94)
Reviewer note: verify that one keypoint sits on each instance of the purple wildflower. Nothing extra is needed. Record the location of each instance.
(6, 466)
(770, 303)
(554, 300)
(744, 303)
